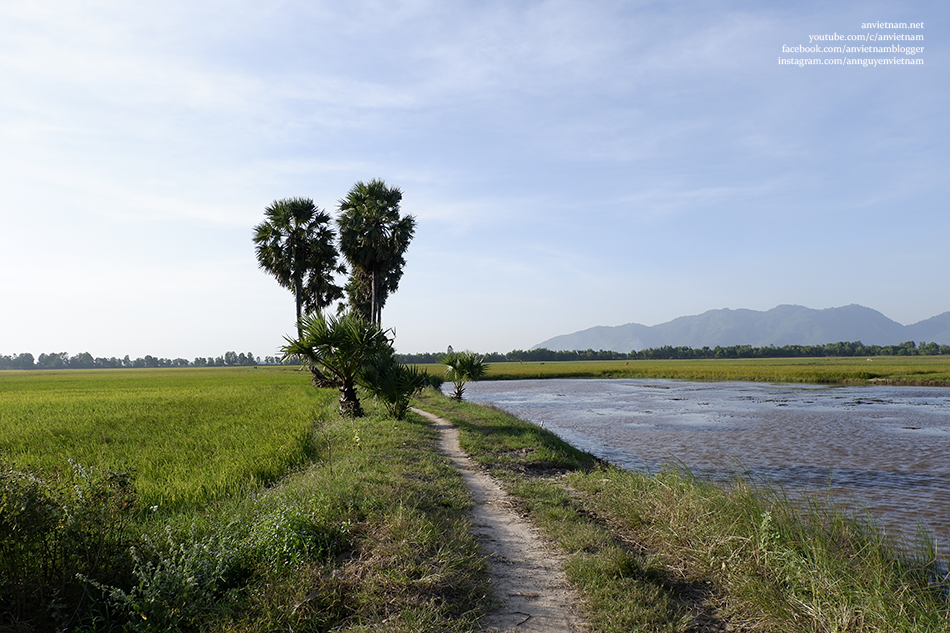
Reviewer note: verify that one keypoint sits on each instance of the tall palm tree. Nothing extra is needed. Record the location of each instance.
(373, 239)
(296, 245)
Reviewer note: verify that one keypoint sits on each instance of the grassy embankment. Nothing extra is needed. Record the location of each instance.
(671, 553)
(257, 509)
(896, 370)
(295, 519)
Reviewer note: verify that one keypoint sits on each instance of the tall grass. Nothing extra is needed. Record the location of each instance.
(766, 562)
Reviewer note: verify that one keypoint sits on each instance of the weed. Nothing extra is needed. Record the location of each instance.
(54, 528)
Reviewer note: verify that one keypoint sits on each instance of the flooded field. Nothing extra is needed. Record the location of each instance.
(886, 448)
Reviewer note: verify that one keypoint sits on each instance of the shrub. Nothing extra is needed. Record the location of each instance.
(55, 530)
(193, 576)
(177, 583)
(394, 383)
(290, 534)
(462, 367)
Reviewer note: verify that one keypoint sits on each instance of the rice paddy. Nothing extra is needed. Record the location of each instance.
(898, 370)
(187, 435)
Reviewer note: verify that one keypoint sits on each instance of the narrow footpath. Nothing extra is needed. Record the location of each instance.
(527, 574)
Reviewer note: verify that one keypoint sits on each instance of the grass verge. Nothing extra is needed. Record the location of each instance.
(670, 552)
(406, 560)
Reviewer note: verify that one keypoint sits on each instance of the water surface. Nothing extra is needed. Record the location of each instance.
(885, 447)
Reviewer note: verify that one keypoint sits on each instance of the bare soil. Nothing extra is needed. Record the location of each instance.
(527, 574)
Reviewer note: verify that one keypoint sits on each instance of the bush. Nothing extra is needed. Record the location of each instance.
(290, 534)
(462, 367)
(55, 530)
(394, 383)
(176, 583)
(196, 575)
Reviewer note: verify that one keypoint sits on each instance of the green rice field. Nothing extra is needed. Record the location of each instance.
(898, 370)
(186, 435)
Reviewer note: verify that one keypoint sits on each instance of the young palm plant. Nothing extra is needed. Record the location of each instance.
(342, 348)
(463, 367)
(394, 383)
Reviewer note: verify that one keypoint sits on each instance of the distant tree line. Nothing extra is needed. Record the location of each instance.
(520, 355)
(668, 352)
(843, 349)
(85, 360)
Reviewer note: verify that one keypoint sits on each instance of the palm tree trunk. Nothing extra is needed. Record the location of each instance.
(317, 377)
(349, 401)
(298, 296)
(374, 300)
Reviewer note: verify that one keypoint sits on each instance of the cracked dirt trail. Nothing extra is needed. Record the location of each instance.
(526, 574)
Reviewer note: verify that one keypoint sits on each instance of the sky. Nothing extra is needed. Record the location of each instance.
(569, 164)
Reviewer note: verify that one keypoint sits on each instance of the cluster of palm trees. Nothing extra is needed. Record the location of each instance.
(297, 245)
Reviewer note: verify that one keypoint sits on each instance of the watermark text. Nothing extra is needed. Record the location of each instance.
(890, 45)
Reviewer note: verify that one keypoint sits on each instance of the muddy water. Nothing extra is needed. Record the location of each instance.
(883, 448)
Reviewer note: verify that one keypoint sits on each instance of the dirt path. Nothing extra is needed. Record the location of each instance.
(527, 574)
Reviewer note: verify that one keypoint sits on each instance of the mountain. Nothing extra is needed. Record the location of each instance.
(782, 325)
(935, 329)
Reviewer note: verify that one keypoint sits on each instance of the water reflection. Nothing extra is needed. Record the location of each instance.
(887, 447)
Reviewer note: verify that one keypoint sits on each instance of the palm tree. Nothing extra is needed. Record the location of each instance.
(461, 368)
(296, 244)
(373, 239)
(342, 348)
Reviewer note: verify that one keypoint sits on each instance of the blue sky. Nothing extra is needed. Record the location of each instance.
(569, 163)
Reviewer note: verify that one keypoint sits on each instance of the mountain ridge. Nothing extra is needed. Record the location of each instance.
(782, 325)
